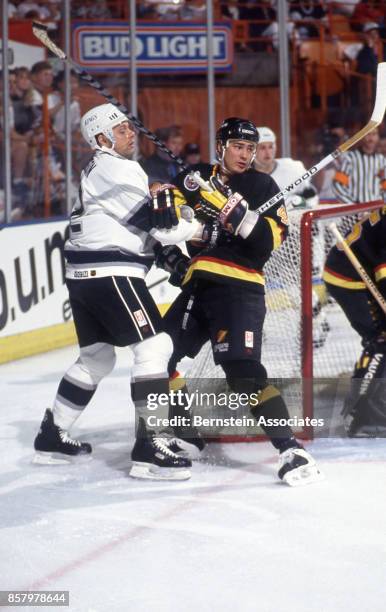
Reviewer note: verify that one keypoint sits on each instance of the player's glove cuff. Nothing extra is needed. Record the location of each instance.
(229, 210)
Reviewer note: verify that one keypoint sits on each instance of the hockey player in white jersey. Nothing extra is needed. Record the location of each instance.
(284, 171)
(115, 227)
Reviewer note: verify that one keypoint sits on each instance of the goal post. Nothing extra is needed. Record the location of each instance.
(349, 213)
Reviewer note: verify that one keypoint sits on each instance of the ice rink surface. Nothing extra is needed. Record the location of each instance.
(231, 538)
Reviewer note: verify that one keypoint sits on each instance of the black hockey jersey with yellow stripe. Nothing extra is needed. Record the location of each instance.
(368, 241)
(233, 259)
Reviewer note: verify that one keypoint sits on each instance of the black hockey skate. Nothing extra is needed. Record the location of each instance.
(153, 458)
(187, 443)
(53, 445)
(298, 468)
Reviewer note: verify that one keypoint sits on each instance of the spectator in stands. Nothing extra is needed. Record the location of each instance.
(22, 82)
(159, 166)
(56, 104)
(361, 177)
(333, 135)
(162, 9)
(192, 154)
(20, 93)
(193, 10)
(12, 10)
(372, 51)
(42, 78)
(230, 9)
(367, 11)
(342, 7)
(90, 9)
(41, 9)
(57, 113)
(263, 18)
(304, 14)
(382, 144)
(19, 156)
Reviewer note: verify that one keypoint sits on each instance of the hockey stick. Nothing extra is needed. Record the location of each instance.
(157, 282)
(41, 32)
(375, 120)
(358, 267)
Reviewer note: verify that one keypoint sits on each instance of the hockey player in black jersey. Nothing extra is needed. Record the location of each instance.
(114, 229)
(365, 406)
(222, 297)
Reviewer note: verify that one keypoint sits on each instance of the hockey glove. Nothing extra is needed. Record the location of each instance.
(223, 205)
(165, 207)
(171, 259)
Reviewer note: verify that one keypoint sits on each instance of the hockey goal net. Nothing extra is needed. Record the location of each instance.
(307, 341)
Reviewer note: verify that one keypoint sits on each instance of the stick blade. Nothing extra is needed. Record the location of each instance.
(380, 95)
(40, 31)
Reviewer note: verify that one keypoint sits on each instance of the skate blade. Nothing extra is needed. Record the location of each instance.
(183, 448)
(46, 458)
(303, 475)
(154, 472)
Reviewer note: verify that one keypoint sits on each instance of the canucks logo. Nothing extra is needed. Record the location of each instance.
(189, 183)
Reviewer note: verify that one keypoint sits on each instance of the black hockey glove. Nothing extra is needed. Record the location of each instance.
(165, 207)
(171, 259)
(221, 204)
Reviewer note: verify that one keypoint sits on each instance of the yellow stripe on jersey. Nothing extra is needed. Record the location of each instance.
(380, 272)
(277, 232)
(342, 281)
(223, 268)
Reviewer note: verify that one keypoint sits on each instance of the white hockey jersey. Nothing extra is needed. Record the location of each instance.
(286, 171)
(110, 232)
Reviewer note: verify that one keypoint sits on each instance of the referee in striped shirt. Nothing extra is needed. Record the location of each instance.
(361, 176)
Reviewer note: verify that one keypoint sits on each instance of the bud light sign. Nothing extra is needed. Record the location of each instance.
(159, 47)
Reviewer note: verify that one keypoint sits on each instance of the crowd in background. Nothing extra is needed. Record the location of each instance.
(36, 112)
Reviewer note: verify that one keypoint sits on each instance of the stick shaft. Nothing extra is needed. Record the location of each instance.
(358, 267)
(375, 120)
(40, 31)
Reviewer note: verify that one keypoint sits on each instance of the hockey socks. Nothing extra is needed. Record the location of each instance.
(150, 397)
(188, 441)
(271, 407)
(71, 399)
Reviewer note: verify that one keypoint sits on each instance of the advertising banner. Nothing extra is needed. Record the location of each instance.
(32, 286)
(159, 47)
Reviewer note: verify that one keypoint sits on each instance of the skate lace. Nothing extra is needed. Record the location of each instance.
(65, 438)
(162, 445)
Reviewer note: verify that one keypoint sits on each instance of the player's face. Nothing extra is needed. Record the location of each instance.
(124, 137)
(265, 154)
(238, 155)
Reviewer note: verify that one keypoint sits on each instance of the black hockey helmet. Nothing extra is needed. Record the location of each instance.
(235, 128)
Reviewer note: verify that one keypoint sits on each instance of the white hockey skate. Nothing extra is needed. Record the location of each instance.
(297, 468)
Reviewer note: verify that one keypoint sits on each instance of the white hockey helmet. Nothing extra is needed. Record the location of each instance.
(100, 120)
(266, 135)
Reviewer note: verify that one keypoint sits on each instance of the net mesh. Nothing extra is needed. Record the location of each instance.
(335, 344)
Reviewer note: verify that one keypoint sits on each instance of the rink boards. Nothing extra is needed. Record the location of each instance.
(35, 313)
